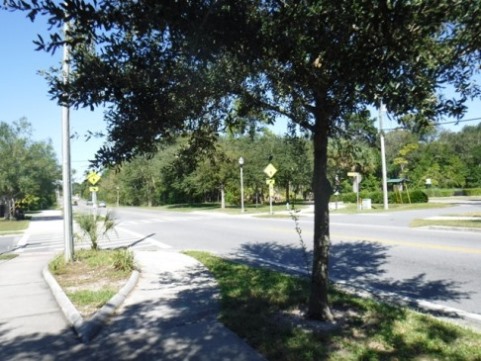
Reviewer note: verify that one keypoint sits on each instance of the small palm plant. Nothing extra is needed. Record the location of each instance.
(95, 228)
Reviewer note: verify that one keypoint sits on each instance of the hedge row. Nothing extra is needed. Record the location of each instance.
(435, 192)
(414, 196)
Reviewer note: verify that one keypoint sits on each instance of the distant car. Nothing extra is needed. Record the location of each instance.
(90, 203)
(102, 204)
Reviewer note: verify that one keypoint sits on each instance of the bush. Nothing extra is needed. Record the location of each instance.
(414, 196)
(377, 197)
(348, 197)
(438, 192)
(472, 192)
(124, 260)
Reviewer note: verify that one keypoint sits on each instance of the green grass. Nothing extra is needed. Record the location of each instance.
(460, 223)
(93, 277)
(351, 208)
(467, 214)
(253, 299)
(95, 299)
(7, 256)
(9, 227)
(215, 207)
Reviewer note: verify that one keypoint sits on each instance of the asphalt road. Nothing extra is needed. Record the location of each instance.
(376, 252)
(8, 243)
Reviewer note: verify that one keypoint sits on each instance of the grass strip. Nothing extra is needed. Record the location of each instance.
(8, 226)
(88, 298)
(459, 223)
(7, 256)
(261, 307)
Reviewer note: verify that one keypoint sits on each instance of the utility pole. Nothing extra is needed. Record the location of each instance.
(383, 159)
(66, 172)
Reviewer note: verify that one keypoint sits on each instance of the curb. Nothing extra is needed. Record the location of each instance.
(88, 329)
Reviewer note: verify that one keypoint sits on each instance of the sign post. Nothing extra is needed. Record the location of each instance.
(93, 179)
(270, 171)
(357, 177)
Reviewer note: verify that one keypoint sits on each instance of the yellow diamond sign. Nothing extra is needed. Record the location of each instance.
(270, 170)
(93, 178)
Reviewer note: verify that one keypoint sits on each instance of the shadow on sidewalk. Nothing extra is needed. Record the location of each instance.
(174, 319)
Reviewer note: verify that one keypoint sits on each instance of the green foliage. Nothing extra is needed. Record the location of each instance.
(123, 260)
(265, 308)
(472, 192)
(412, 196)
(28, 170)
(95, 228)
(441, 192)
(58, 265)
(377, 197)
(169, 67)
(91, 298)
(350, 197)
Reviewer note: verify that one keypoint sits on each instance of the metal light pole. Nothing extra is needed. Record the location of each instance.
(241, 164)
(383, 159)
(66, 172)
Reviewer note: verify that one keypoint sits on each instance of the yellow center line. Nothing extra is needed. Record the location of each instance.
(339, 237)
(409, 244)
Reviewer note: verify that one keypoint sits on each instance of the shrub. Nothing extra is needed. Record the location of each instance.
(414, 196)
(377, 197)
(124, 260)
(349, 197)
(94, 227)
(472, 192)
(438, 192)
(58, 265)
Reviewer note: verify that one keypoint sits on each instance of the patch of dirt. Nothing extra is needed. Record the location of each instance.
(298, 318)
(81, 277)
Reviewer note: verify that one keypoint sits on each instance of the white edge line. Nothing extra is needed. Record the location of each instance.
(427, 305)
(22, 242)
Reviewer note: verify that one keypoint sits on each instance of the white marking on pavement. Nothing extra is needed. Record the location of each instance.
(22, 242)
(151, 240)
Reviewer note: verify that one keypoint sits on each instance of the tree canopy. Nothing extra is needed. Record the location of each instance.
(28, 171)
(171, 66)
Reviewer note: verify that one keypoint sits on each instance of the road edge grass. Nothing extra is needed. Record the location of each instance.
(8, 256)
(13, 226)
(454, 223)
(263, 307)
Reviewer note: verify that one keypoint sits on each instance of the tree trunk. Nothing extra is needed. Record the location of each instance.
(318, 302)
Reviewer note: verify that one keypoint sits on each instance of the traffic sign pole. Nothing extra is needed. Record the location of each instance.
(270, 171)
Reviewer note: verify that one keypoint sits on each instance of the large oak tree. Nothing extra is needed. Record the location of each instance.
(166, 66)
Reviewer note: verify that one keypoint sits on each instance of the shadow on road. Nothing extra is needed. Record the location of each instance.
(357, 263)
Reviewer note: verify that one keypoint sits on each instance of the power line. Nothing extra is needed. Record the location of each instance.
(445, 123)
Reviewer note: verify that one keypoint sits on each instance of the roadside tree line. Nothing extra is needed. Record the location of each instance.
(29, 171)
(176, 174)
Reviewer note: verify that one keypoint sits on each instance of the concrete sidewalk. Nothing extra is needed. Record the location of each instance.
(170, 315)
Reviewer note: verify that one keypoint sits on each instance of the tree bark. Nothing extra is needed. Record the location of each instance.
(319, 308)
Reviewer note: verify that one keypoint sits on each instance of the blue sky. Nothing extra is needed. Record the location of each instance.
(24, 93)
